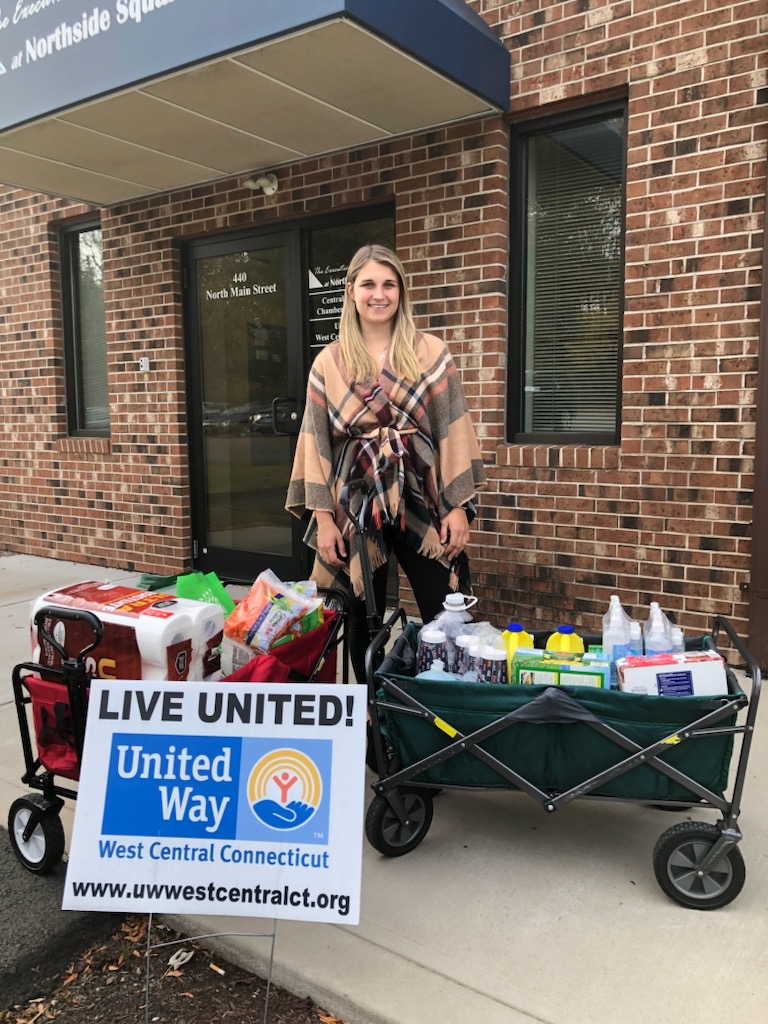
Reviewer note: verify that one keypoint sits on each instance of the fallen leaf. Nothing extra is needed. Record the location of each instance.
(69, 979)
(326, 1018)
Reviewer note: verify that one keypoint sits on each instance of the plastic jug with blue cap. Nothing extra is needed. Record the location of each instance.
(565, 641)
(515, 636)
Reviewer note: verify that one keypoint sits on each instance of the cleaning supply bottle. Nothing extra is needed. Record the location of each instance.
(515, 636)
(677, 639)
(615, 636)
(473, 653)
(656, 631)
(452, 621)
(635, 638)
(565, 641)
(436, 671)
(464, 660)
(431, 646)
(492, 664)
(459, 604)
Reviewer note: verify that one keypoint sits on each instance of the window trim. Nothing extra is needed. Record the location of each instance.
(519, 133)
(70, 299)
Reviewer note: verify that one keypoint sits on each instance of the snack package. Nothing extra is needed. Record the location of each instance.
(266, 612)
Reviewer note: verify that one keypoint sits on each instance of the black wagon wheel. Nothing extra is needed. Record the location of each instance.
(45, 847)
(392, 837)
(676, 859)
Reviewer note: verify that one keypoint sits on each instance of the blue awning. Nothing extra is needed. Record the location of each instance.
(112, 102)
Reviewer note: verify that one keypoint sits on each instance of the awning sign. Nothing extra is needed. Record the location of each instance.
(226, 798)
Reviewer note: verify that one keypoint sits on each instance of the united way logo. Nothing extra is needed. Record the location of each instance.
(285, 789)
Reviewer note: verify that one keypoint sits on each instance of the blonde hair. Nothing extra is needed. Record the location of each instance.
(402, 348)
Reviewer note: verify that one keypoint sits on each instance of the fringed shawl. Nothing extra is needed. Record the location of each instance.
(414, 444)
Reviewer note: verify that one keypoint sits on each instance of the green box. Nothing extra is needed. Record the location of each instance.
(556, 672)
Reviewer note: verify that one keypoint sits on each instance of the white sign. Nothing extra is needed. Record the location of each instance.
(226, 798)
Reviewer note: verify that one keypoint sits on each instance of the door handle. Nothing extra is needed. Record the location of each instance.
(285, 416)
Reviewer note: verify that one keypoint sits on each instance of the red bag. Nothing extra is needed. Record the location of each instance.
(54, 729)
(296, 660)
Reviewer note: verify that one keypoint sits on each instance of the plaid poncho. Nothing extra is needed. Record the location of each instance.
(414, 444)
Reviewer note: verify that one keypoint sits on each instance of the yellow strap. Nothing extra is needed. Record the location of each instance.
(448, 729)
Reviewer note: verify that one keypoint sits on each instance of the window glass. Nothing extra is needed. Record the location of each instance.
(329, 251)
(572, 264)
(85, 332)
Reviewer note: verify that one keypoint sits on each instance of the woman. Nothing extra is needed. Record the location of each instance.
(385, 404)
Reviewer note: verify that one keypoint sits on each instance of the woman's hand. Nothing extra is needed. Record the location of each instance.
(330, 543)
(454, 532)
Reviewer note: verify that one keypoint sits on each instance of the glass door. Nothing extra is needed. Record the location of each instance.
(245, 413)
(259, 308)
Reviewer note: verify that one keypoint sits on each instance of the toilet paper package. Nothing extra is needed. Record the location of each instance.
(147, 635)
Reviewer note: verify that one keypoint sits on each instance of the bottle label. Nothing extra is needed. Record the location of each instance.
(619, 651)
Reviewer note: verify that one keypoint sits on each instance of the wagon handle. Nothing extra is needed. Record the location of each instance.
(753, 668)
(349, 488)
(73, 615)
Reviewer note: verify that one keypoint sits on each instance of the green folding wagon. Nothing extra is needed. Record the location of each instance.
(562, 743)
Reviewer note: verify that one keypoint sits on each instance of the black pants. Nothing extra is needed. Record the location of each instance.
(429, 581)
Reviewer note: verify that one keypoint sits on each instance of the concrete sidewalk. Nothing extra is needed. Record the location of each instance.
(503, 914)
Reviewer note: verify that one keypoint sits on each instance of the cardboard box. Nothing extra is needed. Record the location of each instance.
(551, 671)
(693, 674)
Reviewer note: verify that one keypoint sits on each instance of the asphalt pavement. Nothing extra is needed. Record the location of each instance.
(38, 940)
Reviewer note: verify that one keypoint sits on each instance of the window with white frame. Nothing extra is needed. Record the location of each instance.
(85, 336)
(567, 277)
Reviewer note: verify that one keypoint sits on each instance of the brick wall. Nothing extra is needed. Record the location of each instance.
(665, 515)
(125, 501)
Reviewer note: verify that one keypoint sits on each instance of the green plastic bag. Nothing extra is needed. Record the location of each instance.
(151, 581)
(198, 586)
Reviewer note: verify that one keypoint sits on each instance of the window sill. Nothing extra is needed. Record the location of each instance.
(559, 456)
(85, 445)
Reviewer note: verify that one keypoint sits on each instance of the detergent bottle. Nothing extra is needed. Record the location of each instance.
(616, 636)
(515, 636)
(565, 641)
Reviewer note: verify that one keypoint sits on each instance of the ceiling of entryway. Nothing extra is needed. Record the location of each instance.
(316, 89)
